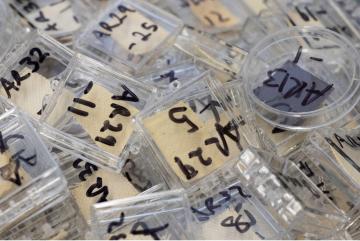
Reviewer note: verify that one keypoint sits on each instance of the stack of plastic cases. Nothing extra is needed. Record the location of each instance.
(162, 215)
(35, 201)
(55, 17)
(90, 183)
(286, 194)
(129, 35)
(32, 70)
(96, 106)
(190, 133)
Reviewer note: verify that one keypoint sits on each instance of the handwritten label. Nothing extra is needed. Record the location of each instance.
(98, 185)
(346, 149)
(139, 230)
(226, 210)
(292, 89)
(106, 117)
(55, 17)
(28, 87)
(193, 148)
(12, 173)
(212, 13)
(304, 16)
(131, 30)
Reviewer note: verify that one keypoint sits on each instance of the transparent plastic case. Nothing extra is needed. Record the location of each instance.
(341, 147)
(224, 209)
(212, 16)
(57, 221)
(91, 182)
(294, 202)
(302, 78)
(321, 13)
(54, 17)
(129, 35)
(162, 215)
(191, 133)
(32, 70)
(96, 106)
(318, 162)
(31, 179)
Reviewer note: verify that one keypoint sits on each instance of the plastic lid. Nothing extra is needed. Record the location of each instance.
(302, 78)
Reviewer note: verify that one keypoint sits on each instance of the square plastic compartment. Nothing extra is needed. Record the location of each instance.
(129, 35)
(55, 17)
(89, 182)
(96, 106)
(191, 133)
(224, 208)
(32, 70)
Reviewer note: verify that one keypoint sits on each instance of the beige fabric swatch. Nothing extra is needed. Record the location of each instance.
(95, 120)
(212, 13)
(31, 92)
(124, 34)
(118, 186)
(61, 13)
(174, 140)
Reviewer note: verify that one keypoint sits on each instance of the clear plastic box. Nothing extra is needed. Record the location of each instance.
(95, 106)
(302, 78)
(224, 209)
(321, 13)
(294, 202)
(340, 146)
(191, 133)
(321, 164)
(129, 34)
(89, 180)
(31, 181)
(55, 17)
(32, 70)
(162, 215)
(211, 16)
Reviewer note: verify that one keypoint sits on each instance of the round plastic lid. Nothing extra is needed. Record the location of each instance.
(302, 78)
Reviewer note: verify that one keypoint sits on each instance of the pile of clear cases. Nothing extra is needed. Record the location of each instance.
(179, 119)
